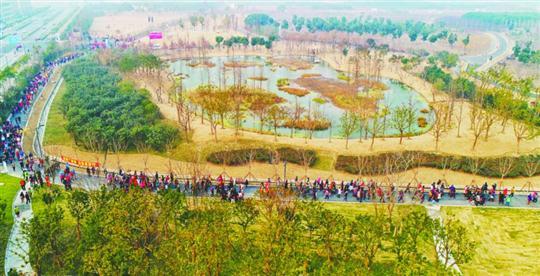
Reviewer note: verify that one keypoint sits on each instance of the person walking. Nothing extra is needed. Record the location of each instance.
(27, 197)
(507, 201)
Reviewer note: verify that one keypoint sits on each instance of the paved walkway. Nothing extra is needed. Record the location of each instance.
(17, 247)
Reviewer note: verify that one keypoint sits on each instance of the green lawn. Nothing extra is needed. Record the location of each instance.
(8, 190)
(351, 210)
(56, 133)
(508, 240)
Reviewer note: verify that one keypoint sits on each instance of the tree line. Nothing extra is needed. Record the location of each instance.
(246, 41)
(107, 114)
(525, 53)
(495, 96)
(360, 26)
(140, 232)
(502, 19)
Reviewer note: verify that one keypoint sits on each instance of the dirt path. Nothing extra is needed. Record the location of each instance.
(158, 163)
(30, 130)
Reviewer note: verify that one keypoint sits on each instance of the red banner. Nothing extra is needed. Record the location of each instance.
(79, 163)
(155, 35)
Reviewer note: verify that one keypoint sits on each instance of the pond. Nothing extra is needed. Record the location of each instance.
(396, 95)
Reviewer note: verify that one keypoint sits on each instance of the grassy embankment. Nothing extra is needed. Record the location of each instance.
(8, 190)
(507, 239)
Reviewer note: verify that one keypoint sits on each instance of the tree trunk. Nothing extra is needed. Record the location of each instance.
(488, 126)
(504, 121)
(222, 121)
(475, 141)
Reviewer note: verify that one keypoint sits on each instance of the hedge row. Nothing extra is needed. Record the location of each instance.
(243, 156)
(400, 161)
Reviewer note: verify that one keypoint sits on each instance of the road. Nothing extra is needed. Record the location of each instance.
(502, 50)
(32, 27)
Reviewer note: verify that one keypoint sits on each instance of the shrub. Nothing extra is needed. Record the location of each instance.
(242, 156)
(487, 166)
(282, 82)
(422, 122)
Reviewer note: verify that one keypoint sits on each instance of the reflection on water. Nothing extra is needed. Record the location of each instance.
(397, 94)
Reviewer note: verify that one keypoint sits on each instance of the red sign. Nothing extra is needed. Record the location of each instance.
(79, 163)
(155, 35)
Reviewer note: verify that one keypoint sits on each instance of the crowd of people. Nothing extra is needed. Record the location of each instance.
(11, 132)
(232, 189)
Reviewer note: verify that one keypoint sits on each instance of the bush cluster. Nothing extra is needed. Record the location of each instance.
(242, 156)
(106, 114)
(401, 161)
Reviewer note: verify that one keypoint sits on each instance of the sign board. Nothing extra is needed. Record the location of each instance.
(79, 163)
(155, 35)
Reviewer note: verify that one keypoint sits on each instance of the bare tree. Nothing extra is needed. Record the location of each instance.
(505, 165)
(478, 124)
(375, 128)
(417, 159)
(445, 164)
(439, 126)
(531, 167)
(184, 110)
(459, 117)
(275, 159)
(307, 158)
(491, 115)
(169, 147)
(238, 94)
(475, 163)
(349, 124)
(250, 157)
(276, 115)
(93, 142)
(523, 130)
(118, 145)
(361, 164)
(399, 120)
(143, 148)
(224, 155)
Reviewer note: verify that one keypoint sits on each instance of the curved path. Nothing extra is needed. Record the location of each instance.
(499, 53)
(17, 247)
